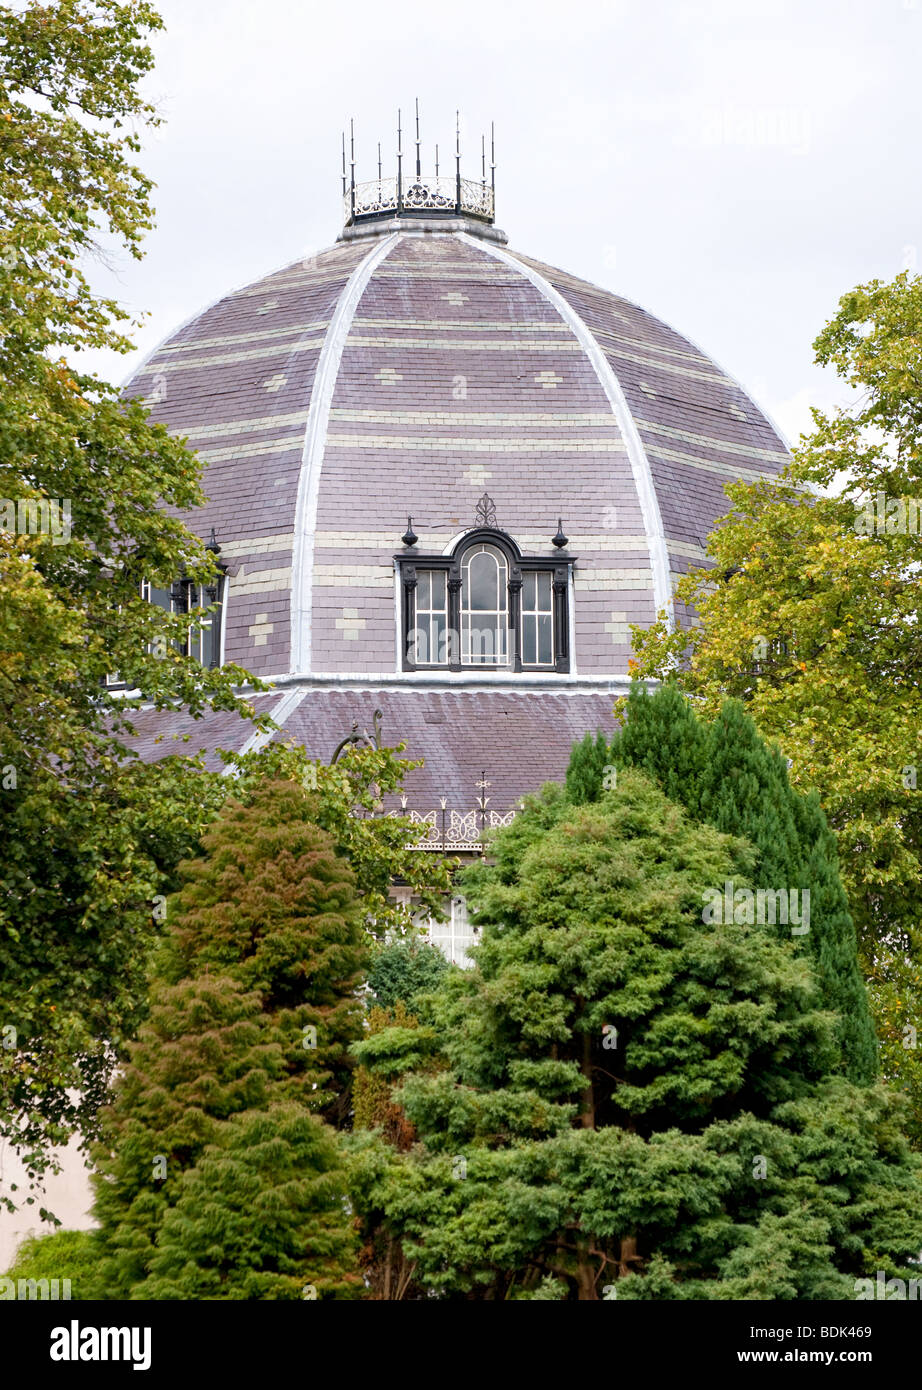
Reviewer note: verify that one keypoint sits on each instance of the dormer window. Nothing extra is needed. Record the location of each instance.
(485, 606)
(202, 636)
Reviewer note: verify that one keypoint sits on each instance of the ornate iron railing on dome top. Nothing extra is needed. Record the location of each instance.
(411, 193)
(440, 193)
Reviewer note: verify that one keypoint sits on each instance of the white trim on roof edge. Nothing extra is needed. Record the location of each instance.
(285, 707)
(640, 464)
(315, 438)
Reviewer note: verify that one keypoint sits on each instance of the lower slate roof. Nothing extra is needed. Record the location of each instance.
(517, 739)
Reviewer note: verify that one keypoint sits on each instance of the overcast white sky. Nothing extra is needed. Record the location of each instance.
(732, 165)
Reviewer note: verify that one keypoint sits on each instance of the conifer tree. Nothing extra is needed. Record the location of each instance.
(270, 903)
(404, 969)
(744, 791)
(586, 772)
(833, 941)
(206, 1052)
(727, 775)
(262, 1215)
(255, 1007)
(661, 736)
(626, 1099)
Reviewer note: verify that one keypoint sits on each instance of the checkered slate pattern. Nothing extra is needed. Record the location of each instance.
(408, 373)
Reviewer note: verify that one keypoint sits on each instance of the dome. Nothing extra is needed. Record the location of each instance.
(422, 368)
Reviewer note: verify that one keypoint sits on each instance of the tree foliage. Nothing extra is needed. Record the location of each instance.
(61, 1254)
(261, 1216)
(403, 969)
(809, 614)
(586, 771)
(624, 1096)
(90, 492)
(254, 1007)
(725, 774)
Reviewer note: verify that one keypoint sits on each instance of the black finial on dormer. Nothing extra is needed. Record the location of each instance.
(409, 536)
(560, 540)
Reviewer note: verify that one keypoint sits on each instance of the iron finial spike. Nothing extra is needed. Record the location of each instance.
(344, 164)
(399, 163)
(436, 161)
(379, 161)
(458, 163)
(418, 165)
(493, 161)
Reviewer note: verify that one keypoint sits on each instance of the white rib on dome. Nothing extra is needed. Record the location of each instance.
(315, 438)
(640, 464)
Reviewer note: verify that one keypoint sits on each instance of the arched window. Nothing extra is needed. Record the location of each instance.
(484, 607)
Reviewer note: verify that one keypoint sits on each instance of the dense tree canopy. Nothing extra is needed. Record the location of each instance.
(403, 969)
(625, 1096)
(261, 1216)
(810, 615)
(253, 1008)
(725, 774)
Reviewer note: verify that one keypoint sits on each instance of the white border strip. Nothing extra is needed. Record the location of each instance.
(640, 464)
(315, 438)
(286, 706)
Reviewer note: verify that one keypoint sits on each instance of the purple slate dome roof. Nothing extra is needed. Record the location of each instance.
(411, 368)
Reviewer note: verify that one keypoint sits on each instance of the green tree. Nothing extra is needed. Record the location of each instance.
(625, 1093)
(255, 1005)
(261, 1216)
(61, 1254)
(91, 490)
(270, 903)
(809, 614)
(403, 969)
(724, 773)
(586, 771)
(207, 1052)
(661, 736)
